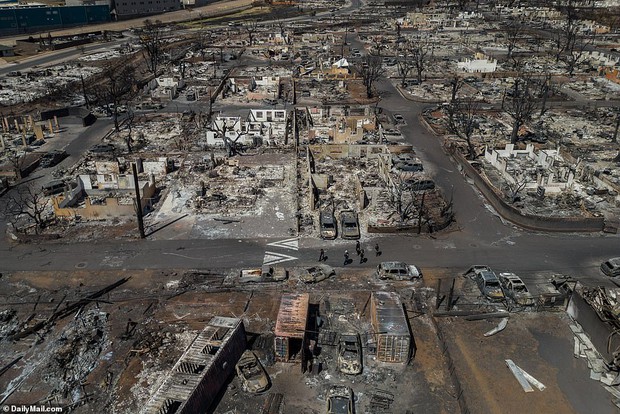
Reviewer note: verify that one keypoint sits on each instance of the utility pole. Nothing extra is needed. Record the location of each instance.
(84, 91)
(138, 202)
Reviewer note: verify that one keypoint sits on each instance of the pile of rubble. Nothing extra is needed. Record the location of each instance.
(76, 353)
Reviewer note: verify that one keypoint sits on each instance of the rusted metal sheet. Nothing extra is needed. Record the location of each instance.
(292, 316)
(391, 328)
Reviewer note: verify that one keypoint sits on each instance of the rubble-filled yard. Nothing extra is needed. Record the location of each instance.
(246, 196)
(31, 85)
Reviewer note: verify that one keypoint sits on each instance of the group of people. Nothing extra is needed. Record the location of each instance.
(358, 249)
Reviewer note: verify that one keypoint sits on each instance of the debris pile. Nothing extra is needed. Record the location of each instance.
(76, 353)
(9, 323)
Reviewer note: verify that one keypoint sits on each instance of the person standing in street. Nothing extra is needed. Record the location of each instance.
(322, 255)
(377, 251)
(346, 257)
(357, 247)
(361, 256)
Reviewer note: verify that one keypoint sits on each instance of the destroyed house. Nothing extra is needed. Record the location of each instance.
(198, 376)
(110, 194)
(391, 328)
(290, 332)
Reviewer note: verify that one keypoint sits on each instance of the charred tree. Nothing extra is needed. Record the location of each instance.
(26, 201)
(117, 82)
(514, 31)
(462, 122)
(520, 102)
(250, 28)
(151, 40)
(371, 70)
(421, 51)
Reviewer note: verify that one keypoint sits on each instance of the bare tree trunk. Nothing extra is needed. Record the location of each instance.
(514, 135)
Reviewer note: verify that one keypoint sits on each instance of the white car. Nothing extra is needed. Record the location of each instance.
(515, 289)
(398, 271)
(350, 354)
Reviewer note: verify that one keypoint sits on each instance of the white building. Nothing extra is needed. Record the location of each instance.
(261, 127)
(480, 64)
(543, 168)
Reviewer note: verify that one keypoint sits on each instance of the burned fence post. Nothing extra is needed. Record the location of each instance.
(450, 295)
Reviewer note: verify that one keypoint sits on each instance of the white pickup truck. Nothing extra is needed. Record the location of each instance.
(263, 274)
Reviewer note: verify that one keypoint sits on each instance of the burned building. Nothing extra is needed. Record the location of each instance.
(197, 377)
(391, 328)
(290, 332)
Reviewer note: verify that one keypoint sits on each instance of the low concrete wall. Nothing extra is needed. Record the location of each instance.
(356, 151)
(516, 216)
(592, 325)
(413, 228)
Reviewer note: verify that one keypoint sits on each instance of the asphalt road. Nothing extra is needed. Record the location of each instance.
(58, 56)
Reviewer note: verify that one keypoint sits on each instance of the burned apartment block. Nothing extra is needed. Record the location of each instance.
(198, 376)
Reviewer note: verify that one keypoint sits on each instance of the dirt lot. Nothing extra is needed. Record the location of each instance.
(539, 343)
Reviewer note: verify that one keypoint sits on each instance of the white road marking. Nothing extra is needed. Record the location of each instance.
(292, 244)
(182, 255)
(273, 258)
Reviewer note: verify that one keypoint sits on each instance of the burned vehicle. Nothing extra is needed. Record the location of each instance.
(611, 267)
(340, 400)
(515, 289)
(327, 221)
(398, 271)
(350, 354)
(487, 282)
(316, 273)
(253, 377)
(263, 274)
(349, 225)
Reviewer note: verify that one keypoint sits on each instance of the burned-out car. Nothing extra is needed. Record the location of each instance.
(611, 267)
(316, 273)
(340, 400)
(487, 282)
(327, 222)
(253, 377)
(398, 271)
(515, 289)
(263, 274)
(349, 226)
(350, 354)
